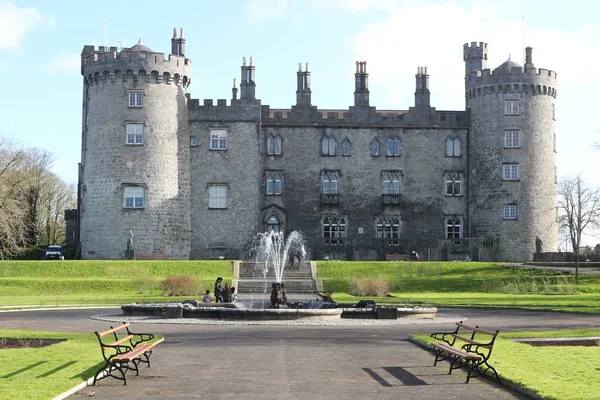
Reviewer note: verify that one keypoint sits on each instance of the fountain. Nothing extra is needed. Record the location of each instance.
(271, 252)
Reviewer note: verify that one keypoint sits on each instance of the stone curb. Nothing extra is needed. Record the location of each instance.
(85, 383)
(512, 386)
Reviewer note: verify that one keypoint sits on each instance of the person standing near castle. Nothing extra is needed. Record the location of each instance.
(219, 290)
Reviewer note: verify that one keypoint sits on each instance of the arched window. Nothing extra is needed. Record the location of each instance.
(273, 224)
(274, 183)
(375, 148)
(388, 228)
(346, 147)
(330, 183)
(393, 147)
(453, 147)
(328, 145)
(453, 228)
(453, 184)
(274, 145)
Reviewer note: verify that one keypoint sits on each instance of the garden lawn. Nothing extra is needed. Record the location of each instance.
(464, 284)
(44, 373)
(553, 372)
(52, 283)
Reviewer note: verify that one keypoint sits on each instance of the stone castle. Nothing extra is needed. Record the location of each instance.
(192, 180)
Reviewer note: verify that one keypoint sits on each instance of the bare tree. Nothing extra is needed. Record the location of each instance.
(579, 209)
(13, 230)
(55, 197)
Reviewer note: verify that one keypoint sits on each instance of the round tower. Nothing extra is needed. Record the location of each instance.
(134, 171)
(513, 182)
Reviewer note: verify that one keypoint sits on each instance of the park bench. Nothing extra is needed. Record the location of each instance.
(397, 257)
(468, 347)
(151, 256)
(124, 353)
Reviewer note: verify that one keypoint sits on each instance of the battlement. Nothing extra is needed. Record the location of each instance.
(475, 50)
(107, 64)
(531, 80)
(237, 110)
(360, 116)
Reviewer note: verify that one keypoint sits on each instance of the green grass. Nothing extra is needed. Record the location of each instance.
(461, 284)
(50, 283)
(49, 371)
(559, 373)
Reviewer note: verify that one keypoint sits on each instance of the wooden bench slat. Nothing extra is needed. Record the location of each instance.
(115, 329)
(476, 329)
(469, 341)
(126, 338)
(456, 352)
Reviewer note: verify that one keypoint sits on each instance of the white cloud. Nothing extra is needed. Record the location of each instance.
(263, 9)
(396, 46)
(15, 23)
(65, 62)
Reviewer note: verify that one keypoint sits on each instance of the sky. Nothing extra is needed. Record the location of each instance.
(41, 43)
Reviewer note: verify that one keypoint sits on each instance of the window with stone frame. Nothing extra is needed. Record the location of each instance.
(135, 98)
(510, 172)
(135, 134)
(330, 182)
(334, 229)
(218, 139)
(375, 148)
(328, 146)
(512, 107)
(217, 195)
(346, 147)
(512, 139)
(453, 184)
(274, 145)
(193, 141)
(393, 147)
(453, 227)
(273, 224)
(391, 182)
(388, 227)
(274, 182)
(452, 147)
(510, 211)
(133, 196)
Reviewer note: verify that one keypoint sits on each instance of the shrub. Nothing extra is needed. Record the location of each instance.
(369, 287)
(179, 285)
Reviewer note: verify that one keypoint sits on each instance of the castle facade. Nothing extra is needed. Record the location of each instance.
(192, 180)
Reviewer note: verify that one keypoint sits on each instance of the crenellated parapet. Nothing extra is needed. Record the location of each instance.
(237, 110)
(353, 117)
(109, 65)
(532, 81)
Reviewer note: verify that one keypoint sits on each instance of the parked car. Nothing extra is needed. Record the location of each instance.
(54, 252)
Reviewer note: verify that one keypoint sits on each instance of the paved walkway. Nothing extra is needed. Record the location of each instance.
(285, 362)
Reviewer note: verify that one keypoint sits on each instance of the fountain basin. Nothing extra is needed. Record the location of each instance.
(231, 311)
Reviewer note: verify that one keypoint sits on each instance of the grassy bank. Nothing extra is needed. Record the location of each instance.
(552, 372)
(465, 284)
(48, 283)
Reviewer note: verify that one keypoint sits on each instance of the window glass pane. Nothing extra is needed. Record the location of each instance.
(331, 146)
(325, 146)
(277, 145)
(375, 148)
(270, 145)
(449, 147)
(456, 147)
(389, 147)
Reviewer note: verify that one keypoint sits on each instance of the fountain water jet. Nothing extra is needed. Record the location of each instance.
(273, 250)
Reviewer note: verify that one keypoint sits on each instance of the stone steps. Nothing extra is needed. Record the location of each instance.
(291, 286)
